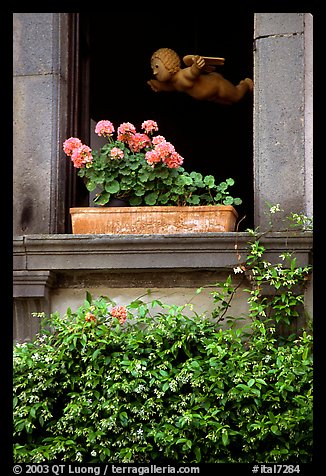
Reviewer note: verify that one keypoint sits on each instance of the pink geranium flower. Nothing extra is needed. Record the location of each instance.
(152, 157)
(104, 128)
(116, 153)
(174, 160)
(120, 312)
(71, 144)
(157, 139)
(125, 130)
(81, 156)
(138, 141)
(149, 126)
(163, 152)
(164, 148)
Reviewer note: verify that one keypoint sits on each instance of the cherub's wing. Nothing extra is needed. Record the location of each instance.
(210, 62)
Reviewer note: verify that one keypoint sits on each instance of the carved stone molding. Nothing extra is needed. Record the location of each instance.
(191, 251)
(32, 283)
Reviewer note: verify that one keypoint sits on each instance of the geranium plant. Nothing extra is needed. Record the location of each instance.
(143, 169)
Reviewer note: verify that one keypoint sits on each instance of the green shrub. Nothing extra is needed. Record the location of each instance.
(170, 388)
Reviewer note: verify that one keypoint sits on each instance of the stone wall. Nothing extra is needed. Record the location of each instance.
(282, 114)
(40, 91)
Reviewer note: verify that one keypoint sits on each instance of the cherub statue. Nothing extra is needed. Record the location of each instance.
(198, 79)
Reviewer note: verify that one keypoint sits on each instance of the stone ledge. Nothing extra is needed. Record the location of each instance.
(192, 251)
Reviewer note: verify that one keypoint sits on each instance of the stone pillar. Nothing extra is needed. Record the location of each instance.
(40, 64)
(282, 115)
(31, 295)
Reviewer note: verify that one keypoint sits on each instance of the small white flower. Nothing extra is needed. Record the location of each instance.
(140, 388)
(93, 453)
(237, 270)
(173, 385)
(38, 314)
(21, 344)
(275, 208)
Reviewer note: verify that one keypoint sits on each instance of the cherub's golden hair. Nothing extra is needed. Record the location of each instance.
(169, 58)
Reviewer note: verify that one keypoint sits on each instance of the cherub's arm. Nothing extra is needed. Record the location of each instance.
(160, 85)
(193, 71)
(210, 62)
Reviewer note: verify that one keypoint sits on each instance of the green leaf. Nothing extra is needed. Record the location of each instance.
(151, 198)
(197, 177)
(209, 180)
(193, 200)
(181, 440)
(95, 353)
(135, 201)
(275, 430)
(225, 437)
(91, 186)
(218, 197)
(271, 417)
(134, 166)
(243, 387)
(223, 186)
(103, 198)
(123, 418)
(89, 297)
(194, 364)
(187, 445)
(228, 201)
(197, 454)
(112, 187)
(135, 304)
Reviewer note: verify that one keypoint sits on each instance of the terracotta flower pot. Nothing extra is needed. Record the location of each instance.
(153, 219)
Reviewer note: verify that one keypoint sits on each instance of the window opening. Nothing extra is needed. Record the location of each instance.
(212, 138)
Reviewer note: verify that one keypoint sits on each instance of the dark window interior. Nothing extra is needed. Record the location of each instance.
(212, 138)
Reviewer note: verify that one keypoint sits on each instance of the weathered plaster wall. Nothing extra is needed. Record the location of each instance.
(201, 303)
